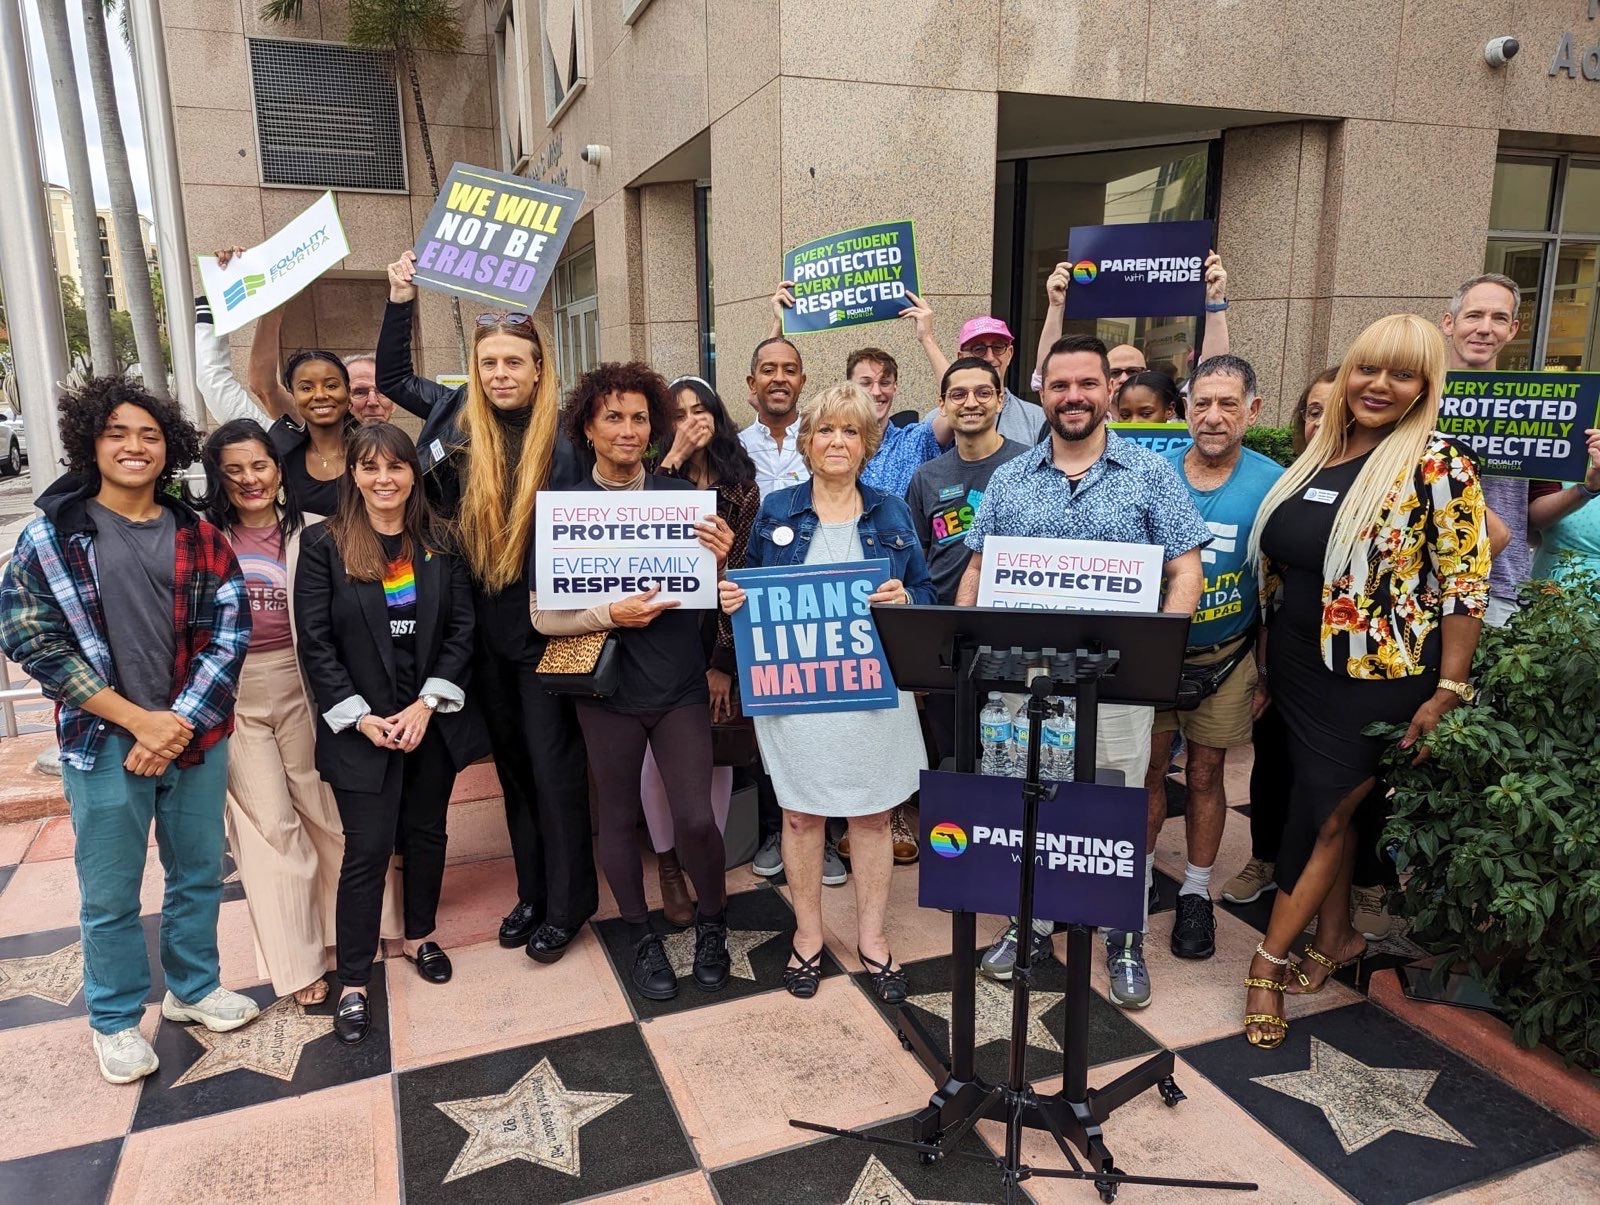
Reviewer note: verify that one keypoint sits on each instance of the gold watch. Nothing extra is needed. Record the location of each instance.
(1465, 690)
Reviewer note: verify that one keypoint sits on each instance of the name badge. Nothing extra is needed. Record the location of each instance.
(436, 450)
(1316, 495)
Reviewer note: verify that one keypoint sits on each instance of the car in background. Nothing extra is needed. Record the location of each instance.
(13, 443)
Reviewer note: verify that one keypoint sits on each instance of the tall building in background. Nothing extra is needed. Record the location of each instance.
(105, 274)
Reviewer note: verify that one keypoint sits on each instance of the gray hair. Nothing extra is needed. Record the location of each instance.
(1226, 365)
(1487, 278)
(361, 358)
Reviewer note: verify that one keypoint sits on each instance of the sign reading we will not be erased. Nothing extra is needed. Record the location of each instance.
(1523, 424)
(1145, 270)
(261, 278)
(592, 548)
(1070, 575)
(494, 238)
(851, 278)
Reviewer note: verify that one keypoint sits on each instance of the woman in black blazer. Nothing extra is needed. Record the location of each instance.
(385, 621)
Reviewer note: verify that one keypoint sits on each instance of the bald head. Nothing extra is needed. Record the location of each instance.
(1126, 360)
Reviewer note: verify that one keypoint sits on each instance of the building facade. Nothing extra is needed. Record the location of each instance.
(105, 273)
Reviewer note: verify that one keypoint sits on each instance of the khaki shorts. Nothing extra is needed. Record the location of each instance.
(1223, 720)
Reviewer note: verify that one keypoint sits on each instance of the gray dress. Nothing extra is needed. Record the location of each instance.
(843, 763)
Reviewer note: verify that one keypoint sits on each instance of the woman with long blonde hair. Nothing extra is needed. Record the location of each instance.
(1374, 564)
(487, 448)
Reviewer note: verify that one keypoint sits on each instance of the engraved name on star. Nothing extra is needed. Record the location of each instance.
(992, 1013)
(54, 977)
(741, 942)
(877, 1185)
(269, 1045)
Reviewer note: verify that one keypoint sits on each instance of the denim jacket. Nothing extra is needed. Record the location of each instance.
(885, 527)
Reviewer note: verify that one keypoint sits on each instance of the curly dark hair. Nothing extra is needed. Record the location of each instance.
(604, 380)
(84, 414)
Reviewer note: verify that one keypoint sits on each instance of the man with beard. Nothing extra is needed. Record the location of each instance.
(1088, 483)
(775, 381)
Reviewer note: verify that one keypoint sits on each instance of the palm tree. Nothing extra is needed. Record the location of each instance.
(124, 205)
(401, 28)
(80, 181)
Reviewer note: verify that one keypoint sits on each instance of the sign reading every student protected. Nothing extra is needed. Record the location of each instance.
(261, 278)
(494, 238)
(1154, 269)
(806, 642)
(1523, 424)
(1070, 575)
(594, 548)
(851, 278)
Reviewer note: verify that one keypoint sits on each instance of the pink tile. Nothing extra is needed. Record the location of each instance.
(477, 831)
(693, 1189)
(1172, 849)
(739, 1071)
(241, 965)
(51, 1093)
(1572, 1177)
(41, 895)
(476, 896)
(16, 840)
(335, 1145)
(485, 1006)
(25, 793)
(55, 840)
(477, 781)
(914, 932)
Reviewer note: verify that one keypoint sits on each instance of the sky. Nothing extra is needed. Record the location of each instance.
(50, 144)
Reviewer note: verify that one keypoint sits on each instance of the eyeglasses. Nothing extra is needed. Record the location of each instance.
(504, 319)
(1124, 372)
(984, 350)
(984, 393)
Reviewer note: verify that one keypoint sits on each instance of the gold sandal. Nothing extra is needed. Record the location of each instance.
(1266, 1041)
(1321, 959)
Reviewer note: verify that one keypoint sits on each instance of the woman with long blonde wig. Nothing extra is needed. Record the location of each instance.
(487, 448)
(1374, 563)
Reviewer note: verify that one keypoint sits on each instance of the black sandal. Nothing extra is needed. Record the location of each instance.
(801, 982)
(891, 986)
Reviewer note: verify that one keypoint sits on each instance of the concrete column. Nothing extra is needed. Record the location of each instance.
(671, 304)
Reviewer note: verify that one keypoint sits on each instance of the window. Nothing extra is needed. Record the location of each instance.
(509, 63)
(1544, 233)
(706, 290)
(576, 299)
(561, 52)
(327, 116)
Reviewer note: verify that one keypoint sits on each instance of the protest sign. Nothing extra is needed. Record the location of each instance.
(1089, 856)
(495, 238)
(1523, 424)
(261, 278)
(806, 642)
(851, 278)
(593, 548)
(1070, 575)
(1160, 438)
(1154, 269)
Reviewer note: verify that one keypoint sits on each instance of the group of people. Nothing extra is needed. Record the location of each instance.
(299, 661)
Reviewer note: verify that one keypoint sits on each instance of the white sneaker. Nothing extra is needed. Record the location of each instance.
(220, 1011)
(124, 1056)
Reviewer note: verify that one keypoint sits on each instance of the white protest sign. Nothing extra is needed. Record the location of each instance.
(265, 276)
(1070, 575)
(599, 547)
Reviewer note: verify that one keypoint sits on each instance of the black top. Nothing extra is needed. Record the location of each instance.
(316, 497)
(1296, 536)
(400, 597)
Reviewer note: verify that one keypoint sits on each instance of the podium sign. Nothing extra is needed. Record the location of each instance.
(1089, 857)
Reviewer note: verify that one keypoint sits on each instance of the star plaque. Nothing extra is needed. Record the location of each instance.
(269, 1045)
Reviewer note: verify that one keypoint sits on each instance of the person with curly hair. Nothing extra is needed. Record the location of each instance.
(130, 612)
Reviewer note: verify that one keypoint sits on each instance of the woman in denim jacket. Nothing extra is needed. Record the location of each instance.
(851, 764)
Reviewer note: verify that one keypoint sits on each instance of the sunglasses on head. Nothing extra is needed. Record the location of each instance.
(505, 319)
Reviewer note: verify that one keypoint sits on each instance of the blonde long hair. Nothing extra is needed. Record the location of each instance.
(496, 515)
(1398, 341)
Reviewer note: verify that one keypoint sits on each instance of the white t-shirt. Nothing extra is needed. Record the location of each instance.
(776, 468)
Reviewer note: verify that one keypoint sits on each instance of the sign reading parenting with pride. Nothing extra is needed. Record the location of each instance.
(593, 548)
(806, 641)
(495, 238)
(261, 278)
(851, 278)
(1070, 575)
(1160, 438)
(1523, 424)
(1149, 270)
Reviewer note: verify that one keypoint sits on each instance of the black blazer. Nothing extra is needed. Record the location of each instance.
(345, 650)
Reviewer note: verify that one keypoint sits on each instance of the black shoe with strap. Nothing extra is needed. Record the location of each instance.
(351, 1022)
(549, 942)
(891, 986)
(801, 981)
(432, 963)
(652, 973)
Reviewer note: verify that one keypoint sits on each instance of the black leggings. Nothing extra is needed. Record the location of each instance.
(681, 742)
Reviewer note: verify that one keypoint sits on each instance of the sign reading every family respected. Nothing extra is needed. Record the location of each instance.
(592, 548)
(1523, 424)
(851, 278)
(261, 278)
(1152, 269)
(1070, 575)
(806, 642)
(495, 238)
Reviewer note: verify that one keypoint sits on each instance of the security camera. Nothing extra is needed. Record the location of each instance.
(1497, 52)
(594, 153)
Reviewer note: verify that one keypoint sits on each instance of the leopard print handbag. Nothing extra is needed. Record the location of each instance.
(585, 664)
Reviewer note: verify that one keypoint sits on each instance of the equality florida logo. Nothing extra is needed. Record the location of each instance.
(240, 290)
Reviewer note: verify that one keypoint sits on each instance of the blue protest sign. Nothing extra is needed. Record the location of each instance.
(851, 278)
(1160, 438)
(806, 641)
(1523, 424)
(1089, 857)
(1154, 269)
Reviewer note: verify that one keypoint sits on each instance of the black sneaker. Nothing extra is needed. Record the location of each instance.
(711, 961)
(652, 973)
(1194, 933)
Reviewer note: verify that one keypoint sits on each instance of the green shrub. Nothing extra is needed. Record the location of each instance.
(1276, 442)
(1500, 829)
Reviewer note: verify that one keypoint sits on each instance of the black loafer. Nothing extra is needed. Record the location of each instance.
(351, 1022)
(516, 928)
(549, 942)
(432, 963)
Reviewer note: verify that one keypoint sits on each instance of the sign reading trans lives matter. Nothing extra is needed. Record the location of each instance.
(495, 238)
(1070, 575)
(806, 642)
(1154, 269)
(261, 278)
(593, 548)
(851, 278)
(1523, 424)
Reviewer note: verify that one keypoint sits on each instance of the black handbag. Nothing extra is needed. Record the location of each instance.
(583, 665)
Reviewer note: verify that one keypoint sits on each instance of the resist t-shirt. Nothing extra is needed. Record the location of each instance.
(943, 496)
(266, 582)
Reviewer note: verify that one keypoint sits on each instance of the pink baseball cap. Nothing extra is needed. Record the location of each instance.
(974, 328)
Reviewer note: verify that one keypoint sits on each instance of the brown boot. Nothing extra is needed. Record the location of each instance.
(676, 905)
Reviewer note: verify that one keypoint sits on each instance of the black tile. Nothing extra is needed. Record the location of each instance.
(232, 885)
(77, 1174)
(174, 1094)
(1243, 809)
(628, 1140)
(5, 875)
(1378, 1074)
(1256, 914)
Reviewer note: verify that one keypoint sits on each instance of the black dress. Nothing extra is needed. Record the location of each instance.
(1324, 710)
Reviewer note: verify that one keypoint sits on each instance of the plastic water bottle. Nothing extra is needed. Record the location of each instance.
(994, 737)
(1019, 742)
(1056, 738)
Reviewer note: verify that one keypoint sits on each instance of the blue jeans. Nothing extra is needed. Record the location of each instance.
(111, 814)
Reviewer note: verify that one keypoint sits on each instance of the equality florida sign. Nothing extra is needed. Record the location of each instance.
(494, 238)
(851, 278)
(593, 548)
(261, 278)
(806, 641)
(1523, 424)
(1141, 270)
(1070, 575)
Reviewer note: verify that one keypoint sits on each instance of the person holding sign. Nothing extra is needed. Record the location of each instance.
(844, 763)
(661, 700)
(1373, 554)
